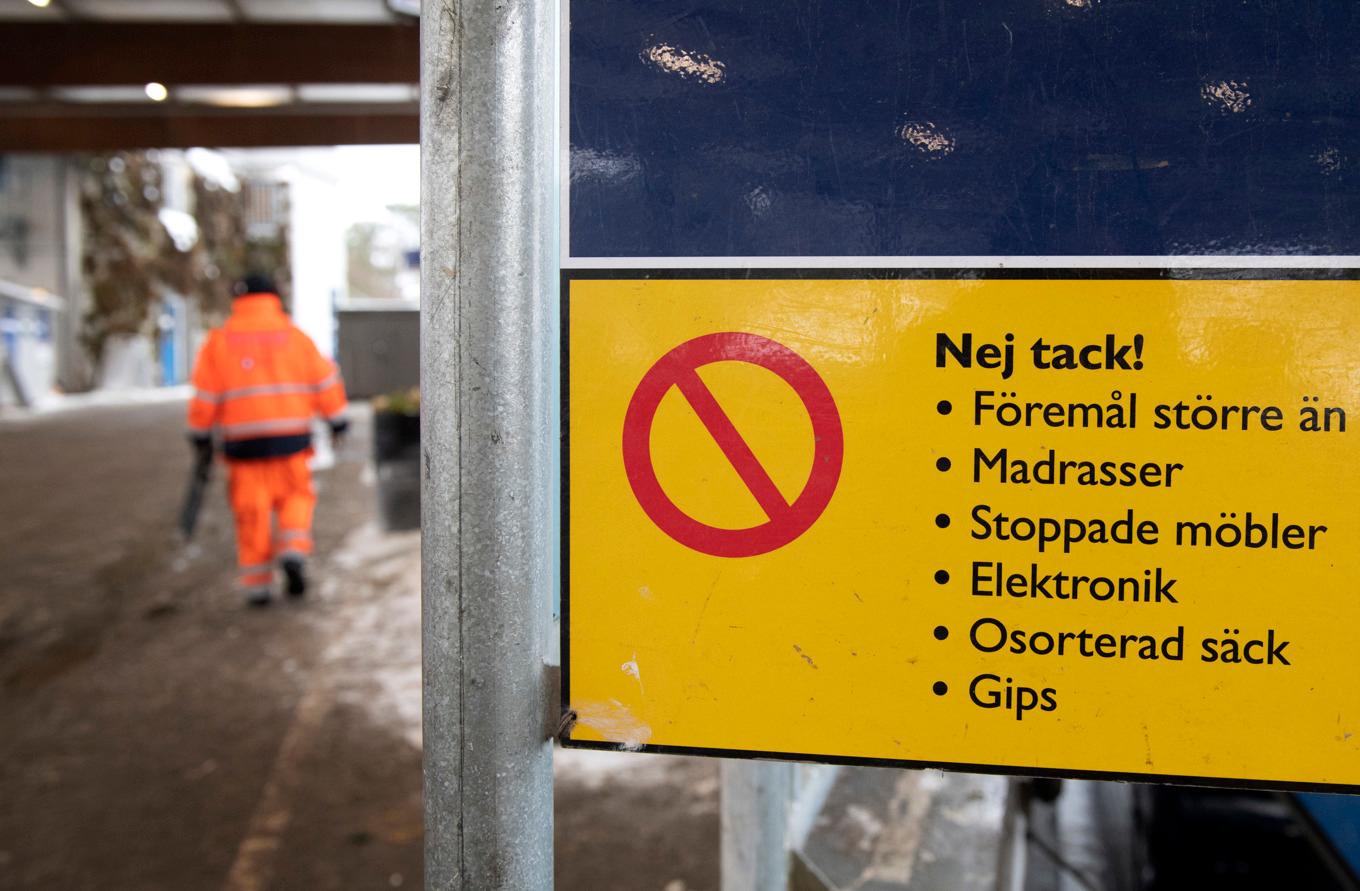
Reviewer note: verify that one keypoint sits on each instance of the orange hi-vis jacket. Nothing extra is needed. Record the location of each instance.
(259, 381)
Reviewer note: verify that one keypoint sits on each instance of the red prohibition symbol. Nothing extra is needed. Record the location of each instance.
(679, 369)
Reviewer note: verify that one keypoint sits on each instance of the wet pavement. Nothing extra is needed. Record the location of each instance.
(157, 734)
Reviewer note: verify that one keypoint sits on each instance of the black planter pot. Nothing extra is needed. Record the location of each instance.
(396, 454)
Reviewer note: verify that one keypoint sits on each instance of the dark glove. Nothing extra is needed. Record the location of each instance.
(339, 432)
(203, 450)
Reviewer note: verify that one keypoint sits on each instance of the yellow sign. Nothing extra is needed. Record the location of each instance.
(1080, 527)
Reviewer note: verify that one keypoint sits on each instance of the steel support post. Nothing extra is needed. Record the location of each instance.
(487, 283)
(756, 799)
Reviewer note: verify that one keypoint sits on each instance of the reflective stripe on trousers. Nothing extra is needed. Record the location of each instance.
(261, 491)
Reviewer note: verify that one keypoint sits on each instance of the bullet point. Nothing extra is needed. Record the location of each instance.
(944, 407)
(940, 688)
(942, 465)
(941, 577)
(942, 520)
(941, 632)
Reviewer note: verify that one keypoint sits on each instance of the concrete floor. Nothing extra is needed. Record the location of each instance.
(154, 734)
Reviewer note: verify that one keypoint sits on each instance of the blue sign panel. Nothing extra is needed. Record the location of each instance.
(1337, 819)
(893, 128)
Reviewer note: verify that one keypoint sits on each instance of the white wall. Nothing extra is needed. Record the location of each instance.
(33, 270)
(318, 258)
(31, 195)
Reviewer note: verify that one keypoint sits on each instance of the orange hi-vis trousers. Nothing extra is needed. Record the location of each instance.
(259, 490)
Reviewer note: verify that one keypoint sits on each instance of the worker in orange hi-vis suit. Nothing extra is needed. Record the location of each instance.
(258, 383)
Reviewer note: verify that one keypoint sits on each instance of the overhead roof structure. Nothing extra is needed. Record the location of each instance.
(88, 74)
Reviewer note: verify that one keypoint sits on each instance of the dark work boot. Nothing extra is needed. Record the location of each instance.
(295, 576)
(258, 597)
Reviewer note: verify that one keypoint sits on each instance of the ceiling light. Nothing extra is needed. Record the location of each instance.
(41, 4)
(262, 96)
(357, 93)
(156, 92)
(122, 93)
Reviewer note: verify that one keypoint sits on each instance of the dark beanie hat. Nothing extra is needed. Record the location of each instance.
(256, 283)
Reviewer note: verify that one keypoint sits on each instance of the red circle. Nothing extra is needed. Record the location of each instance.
(678, 369)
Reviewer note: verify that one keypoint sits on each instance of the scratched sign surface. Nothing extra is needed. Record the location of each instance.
(963, 128)
(1082, 527)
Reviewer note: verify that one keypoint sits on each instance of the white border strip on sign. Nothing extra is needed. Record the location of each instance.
(1179, 261)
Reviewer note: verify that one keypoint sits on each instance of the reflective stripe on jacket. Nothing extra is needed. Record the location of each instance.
(259, 381)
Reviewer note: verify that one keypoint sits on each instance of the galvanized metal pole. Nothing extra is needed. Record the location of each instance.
(487, 285)
(756, 799)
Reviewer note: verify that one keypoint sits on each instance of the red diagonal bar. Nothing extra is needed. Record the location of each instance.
(729, 439)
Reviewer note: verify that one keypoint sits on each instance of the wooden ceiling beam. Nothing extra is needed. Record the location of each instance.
(88, 53)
